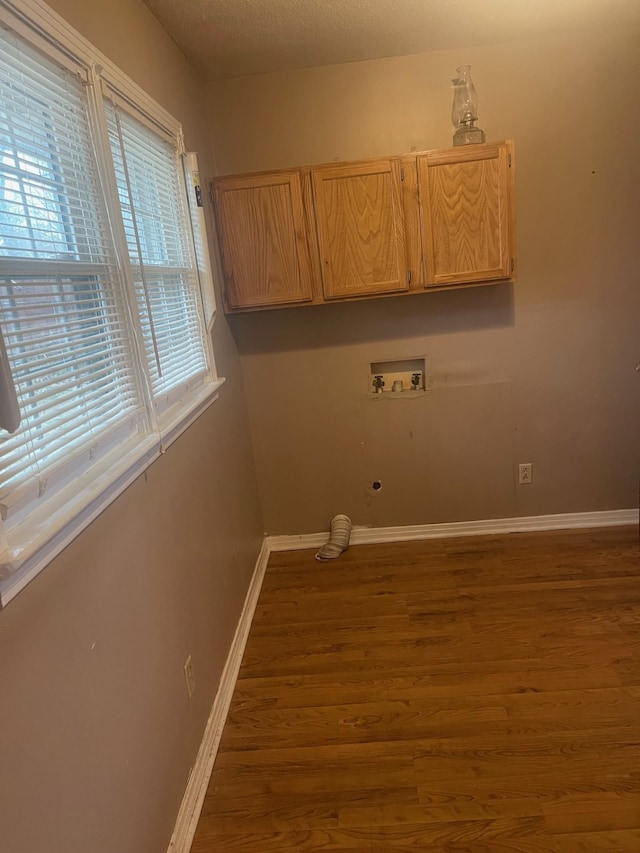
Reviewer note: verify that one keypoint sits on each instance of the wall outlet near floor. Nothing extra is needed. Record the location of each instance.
(189, 677)
(525, 473)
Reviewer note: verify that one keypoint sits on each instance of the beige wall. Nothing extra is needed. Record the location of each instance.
(97, 732)
(541, 372)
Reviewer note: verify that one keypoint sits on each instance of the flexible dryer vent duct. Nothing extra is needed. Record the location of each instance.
(338, 538)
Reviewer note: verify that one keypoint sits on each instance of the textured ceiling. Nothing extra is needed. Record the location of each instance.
(231, 38)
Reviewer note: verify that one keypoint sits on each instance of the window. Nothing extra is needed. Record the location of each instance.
(104, 346)
(153, 201)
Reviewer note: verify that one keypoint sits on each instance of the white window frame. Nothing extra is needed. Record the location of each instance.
(27, 551)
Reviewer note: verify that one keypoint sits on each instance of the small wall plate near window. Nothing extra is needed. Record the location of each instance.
(400, 378)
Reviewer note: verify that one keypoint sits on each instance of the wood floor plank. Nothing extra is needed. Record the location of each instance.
(360, 723)
(619, 840)
(475, 695)
(602, 812)
(577, 780)
(392, 814)
(407, 835)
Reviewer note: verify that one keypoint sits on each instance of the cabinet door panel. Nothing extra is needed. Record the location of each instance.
(465, 198)
(360, 229)
(265, 255)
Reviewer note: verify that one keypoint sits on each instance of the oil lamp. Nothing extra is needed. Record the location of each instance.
(465, 109)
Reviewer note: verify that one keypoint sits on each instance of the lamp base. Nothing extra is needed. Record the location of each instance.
(468, 135)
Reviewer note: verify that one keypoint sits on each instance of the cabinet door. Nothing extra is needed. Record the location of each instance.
(360, 228)
(263, 239)
(467, 220)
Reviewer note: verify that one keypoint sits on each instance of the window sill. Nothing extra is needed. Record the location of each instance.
(49, 530)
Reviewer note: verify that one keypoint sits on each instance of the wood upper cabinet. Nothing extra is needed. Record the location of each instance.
(369, 228)
(466, 208)
(360, 225)
(263, 244)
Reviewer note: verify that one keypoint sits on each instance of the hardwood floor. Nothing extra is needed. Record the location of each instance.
(474, 694)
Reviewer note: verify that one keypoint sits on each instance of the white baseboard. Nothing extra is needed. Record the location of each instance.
(201, 772)
(372, 535)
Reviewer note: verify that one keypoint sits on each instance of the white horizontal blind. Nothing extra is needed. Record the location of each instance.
(155, 216)
(61, 304)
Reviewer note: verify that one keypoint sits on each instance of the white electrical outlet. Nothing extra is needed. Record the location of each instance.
(525, 473)
(189, 677)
